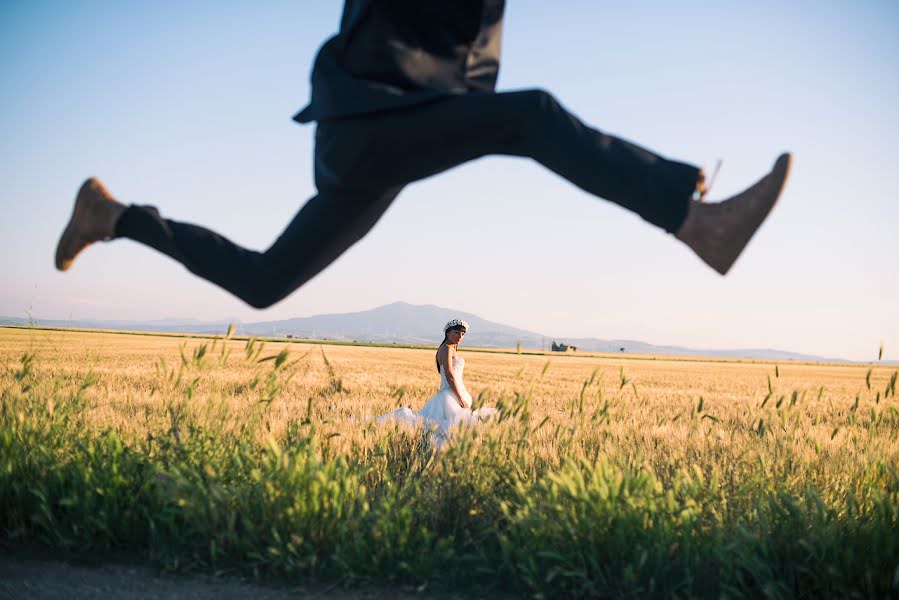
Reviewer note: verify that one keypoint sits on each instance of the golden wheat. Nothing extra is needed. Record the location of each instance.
(828, 422)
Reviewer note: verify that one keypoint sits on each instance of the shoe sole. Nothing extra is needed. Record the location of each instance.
(69, 247)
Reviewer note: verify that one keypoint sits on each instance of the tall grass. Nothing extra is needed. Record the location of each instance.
(788, 494)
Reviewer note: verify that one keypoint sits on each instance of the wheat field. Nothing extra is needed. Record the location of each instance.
(605, 475)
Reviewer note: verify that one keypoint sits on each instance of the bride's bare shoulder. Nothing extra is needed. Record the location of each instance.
(444, 354)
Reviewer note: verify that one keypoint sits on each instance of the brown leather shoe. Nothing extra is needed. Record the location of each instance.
(719, 232)
(93, 218)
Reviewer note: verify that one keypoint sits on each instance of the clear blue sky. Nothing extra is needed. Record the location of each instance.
(187, 105)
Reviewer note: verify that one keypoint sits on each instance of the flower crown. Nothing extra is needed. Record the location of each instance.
(455, 323)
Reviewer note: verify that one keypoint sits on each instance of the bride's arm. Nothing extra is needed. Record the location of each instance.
(445, 358)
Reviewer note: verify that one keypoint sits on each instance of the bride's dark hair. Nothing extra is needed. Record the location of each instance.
(456, 328)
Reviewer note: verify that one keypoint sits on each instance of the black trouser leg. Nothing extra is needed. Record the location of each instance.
(414, 143)
(321, 231)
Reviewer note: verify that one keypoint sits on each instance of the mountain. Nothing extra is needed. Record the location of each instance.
(400, 323)
(404, 323)
(159, 325)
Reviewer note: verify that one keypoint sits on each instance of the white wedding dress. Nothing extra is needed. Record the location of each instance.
(442, 411)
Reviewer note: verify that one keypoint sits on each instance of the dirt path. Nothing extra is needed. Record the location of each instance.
(46, 580)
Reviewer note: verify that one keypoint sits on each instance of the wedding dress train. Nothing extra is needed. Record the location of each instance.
(442, 411)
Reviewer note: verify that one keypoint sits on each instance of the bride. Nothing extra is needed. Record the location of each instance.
(451, 405)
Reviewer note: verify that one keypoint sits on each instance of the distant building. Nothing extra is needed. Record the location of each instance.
(563, 347)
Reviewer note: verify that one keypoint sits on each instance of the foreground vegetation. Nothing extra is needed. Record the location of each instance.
(603, 477)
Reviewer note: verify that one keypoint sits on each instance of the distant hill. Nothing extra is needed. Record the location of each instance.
(160, 325)
(401, 323)
(404, 323)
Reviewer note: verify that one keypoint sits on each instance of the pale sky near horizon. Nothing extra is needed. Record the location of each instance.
(187, 106)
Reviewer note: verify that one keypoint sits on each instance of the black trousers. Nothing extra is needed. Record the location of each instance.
(362, 164)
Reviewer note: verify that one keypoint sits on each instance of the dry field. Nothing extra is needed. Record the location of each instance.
(651, 413)
(705, 443)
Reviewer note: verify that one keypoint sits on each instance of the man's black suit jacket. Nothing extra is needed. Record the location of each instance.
(394, 53)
